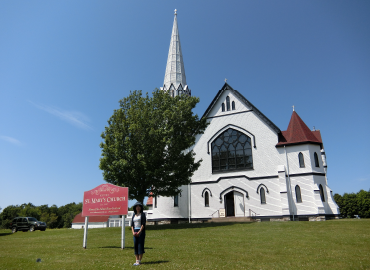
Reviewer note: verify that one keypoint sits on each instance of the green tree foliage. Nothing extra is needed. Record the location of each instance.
(351, 204)
(53, 216)
(145, 145)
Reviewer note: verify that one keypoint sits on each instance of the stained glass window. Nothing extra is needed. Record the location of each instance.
(231, 150)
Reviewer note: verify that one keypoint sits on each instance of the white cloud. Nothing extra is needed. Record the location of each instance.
(75, 118)
(10, 139)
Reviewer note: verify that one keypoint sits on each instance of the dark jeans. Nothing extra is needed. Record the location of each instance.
(139, 243)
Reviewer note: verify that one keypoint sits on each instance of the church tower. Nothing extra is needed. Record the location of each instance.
(174, 78)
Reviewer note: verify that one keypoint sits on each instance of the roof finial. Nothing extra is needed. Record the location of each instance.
(225, 80)
(175, 11)
(293, 108)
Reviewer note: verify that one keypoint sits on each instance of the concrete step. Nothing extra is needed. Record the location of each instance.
(232, 219)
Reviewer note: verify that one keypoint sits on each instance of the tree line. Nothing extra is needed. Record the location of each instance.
(351, 204)
(55, 217)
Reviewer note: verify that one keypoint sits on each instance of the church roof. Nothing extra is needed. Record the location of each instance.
(175, 70)
(225, 87)
(298, 133)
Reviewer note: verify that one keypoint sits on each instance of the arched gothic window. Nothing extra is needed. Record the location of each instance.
(298, 194)
(301, 160)
(233, 105)
(206, 199)
(228, 103)
(322, 193)
(231, 150)
(223, 106)
(263, 196)
(316, 158)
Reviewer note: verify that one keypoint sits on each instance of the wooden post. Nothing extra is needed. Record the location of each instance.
(123, 232)
(85, 232)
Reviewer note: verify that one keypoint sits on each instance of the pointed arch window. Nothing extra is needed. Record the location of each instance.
(228, 103)
(301, 160)
(231, 150)
(298, 195)
(263, 196)
(155, 201)
(322, 193)
(223, 106)
(316, 158)
(233, 105)
(206, 199)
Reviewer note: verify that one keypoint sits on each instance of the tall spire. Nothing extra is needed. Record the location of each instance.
(174, 78)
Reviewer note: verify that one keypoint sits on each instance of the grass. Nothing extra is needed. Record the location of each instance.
(336, 244)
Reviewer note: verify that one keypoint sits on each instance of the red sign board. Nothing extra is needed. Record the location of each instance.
(105, 200)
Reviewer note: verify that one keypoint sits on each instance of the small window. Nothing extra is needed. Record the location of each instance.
(228, 103)
(316, 158)
(298, 194)
(176, 200)
(206, 199)
(223, 106)
(322, 193)
(155, 201)
(233, 105)
(262, 195)
(301, 160)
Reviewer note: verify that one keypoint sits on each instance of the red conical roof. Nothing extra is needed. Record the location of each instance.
(150, 200)
(298, 133)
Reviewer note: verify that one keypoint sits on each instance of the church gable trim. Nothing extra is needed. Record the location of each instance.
(223, 129)
(226, 87)
(233, 188)
(235, 176)
(255, 178)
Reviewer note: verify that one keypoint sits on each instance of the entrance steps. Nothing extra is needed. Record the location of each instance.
(232, 219)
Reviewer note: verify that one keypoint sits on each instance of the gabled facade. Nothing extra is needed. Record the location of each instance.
(251, 167)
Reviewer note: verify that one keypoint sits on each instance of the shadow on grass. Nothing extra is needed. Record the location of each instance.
(4, 234)
(193, 225)
(155, 262)
(124, 248)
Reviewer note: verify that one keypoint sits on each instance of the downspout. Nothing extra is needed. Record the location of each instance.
(289, 184)
(189, 199)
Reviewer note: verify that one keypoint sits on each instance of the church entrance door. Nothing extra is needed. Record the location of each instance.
(229, 204)
(239, 204)
(234, 204)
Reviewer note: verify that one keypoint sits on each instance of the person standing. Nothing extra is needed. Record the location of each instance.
(138, 231)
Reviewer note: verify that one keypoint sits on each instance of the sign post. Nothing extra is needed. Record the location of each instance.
(85, 231)
(123, 232)
(105, 200)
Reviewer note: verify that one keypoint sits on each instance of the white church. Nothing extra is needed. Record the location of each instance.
(250, 167)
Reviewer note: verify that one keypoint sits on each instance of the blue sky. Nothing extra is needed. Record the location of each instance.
(64, 65)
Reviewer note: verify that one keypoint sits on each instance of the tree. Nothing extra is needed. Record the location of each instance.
(146, 144)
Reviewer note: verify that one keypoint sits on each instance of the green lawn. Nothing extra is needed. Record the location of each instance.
(336, 244)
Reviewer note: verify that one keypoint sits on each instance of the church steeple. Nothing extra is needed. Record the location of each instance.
(174, 78)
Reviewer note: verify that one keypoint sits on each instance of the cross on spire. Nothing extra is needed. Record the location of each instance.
(175, 11)
(293, 108)
(225, 80)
